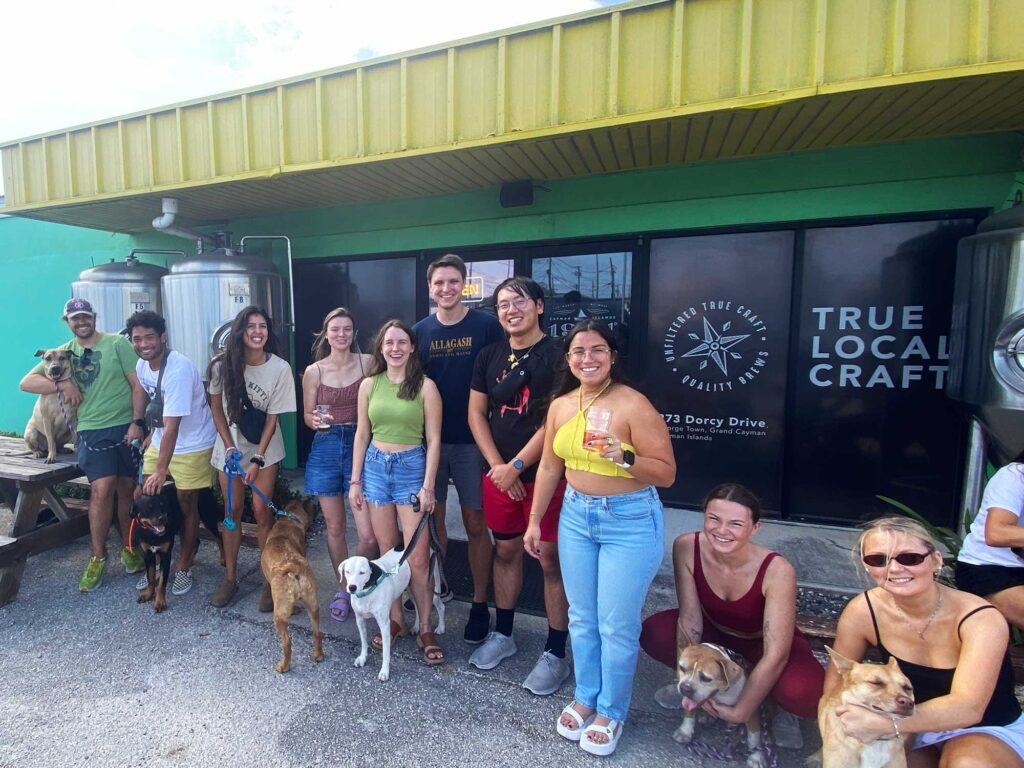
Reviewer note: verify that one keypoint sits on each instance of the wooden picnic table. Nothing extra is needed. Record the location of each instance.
(25, 482)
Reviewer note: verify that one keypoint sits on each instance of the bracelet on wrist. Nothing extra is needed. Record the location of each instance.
(259, 460)
(428, 490)
(896, 727)
(355, 482)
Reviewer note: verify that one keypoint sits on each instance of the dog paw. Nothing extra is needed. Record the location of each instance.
(317, 656)
(282, 666)
(757, 759)
(383, 675)
(682, 736)
(360, 661)
(159, 606)
(50, 460)
(145, 597)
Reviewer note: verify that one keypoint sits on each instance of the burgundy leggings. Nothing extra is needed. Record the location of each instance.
(799, 686)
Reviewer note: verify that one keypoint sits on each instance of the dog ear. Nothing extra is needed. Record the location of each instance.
(375, 573)
(40, 352)
(843, 664)
(731, 671)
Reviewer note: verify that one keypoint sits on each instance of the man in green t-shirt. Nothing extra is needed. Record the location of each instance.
(104, 378)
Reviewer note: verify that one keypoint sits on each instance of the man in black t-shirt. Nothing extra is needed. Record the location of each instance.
(512, 382)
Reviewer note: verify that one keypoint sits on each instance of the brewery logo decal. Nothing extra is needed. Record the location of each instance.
(714, 346)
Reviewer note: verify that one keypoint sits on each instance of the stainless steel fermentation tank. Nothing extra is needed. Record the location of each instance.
(119, 289)
(203, 294)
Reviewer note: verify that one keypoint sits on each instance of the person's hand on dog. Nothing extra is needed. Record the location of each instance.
(531, 539)
(739, 714)
(155, 482)
(863, 724)
(506, 478)
(70, 392)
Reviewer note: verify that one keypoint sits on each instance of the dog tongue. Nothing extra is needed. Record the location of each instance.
(689, 704)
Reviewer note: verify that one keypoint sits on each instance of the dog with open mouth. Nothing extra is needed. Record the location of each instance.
(707, 671)
(52, 426)
(155, 522)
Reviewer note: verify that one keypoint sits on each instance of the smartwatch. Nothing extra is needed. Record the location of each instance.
(628, 459)
(139, 423)
(518, 464)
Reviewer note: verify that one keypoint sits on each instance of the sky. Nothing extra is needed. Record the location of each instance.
(68, 63)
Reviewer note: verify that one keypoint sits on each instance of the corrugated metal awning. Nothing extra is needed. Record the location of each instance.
(641, 85)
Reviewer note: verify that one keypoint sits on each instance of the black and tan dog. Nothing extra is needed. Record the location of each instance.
(51, 427)
(291, 579)
(157, 520)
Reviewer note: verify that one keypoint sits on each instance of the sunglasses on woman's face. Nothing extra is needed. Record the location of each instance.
(903, 558)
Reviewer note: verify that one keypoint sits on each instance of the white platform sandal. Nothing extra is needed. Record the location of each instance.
(612, 731)
(573, 734)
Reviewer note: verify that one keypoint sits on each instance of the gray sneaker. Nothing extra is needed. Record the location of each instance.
(182, 582)
(547, 674)
(786, 730)
(494, 649)
(143, 582)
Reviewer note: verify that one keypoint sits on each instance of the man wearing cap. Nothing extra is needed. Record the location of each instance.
(103, 370)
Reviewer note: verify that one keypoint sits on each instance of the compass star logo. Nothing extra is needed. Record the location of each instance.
(716, 346)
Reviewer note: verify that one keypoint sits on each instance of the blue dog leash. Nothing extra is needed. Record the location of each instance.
(233, 469)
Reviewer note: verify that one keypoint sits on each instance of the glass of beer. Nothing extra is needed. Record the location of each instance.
(324, 412)
(599, 419)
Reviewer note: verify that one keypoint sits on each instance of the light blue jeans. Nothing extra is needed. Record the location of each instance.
(611, 548)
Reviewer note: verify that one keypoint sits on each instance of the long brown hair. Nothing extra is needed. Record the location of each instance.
(231, 359)
(413, 368)
(321, 346)
(737, 493)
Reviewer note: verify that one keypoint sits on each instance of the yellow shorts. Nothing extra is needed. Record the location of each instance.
(191, 471)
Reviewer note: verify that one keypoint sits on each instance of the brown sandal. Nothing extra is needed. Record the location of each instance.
(397, 631)
(433, 655)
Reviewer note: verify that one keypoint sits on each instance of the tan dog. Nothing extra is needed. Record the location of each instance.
(48, 430)
(708, 671)
(291, 579)
(882, 688)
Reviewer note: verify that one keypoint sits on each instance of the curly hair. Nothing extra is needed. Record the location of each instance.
(413, 368)
(231, 360)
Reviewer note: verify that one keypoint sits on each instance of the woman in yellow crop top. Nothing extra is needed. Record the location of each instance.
(399, 411)
(610, 529)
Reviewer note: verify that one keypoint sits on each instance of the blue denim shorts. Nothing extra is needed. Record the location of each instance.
(393, 477)
(329, 466)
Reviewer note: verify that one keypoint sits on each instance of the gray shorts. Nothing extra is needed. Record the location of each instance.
(104, 453)
(464, 464)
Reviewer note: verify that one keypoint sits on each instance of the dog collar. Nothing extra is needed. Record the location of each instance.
(289, 515)
(377, 583)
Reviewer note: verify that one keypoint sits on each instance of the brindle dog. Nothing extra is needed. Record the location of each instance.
(157, 520)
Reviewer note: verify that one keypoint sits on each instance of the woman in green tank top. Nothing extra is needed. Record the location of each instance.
(397, 444)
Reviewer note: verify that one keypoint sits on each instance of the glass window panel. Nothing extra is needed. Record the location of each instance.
(593, 285)
(482, 277)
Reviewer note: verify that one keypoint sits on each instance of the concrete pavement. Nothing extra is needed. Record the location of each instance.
(101, 681)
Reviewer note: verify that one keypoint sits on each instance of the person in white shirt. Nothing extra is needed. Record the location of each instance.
(183, 434)
(988, 564)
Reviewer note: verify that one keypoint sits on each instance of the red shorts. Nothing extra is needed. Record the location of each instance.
(508, 517)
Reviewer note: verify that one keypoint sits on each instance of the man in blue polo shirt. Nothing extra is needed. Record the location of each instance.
(449, 342)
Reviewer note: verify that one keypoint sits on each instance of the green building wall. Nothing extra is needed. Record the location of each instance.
(41, 260)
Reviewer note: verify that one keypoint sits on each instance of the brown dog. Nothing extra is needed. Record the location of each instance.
(291, 579)
(707, 671)
(49, 429)
(882, 688)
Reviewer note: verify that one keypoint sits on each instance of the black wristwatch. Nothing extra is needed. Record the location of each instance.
(628, 459)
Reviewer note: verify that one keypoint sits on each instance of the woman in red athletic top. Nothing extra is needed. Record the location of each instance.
(737, 594)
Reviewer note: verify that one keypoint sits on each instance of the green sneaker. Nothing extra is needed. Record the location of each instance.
(133, 562)
(92, 576)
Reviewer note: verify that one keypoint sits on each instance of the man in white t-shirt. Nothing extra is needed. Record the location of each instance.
(183, 445)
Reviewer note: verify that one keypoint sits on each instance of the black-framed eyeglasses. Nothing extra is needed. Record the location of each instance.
(903, 558)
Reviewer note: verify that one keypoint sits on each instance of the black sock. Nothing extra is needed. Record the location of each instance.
(479, 612)
(503, 620)
(556, 641)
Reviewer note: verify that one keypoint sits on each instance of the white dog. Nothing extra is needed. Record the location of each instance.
(374, 586)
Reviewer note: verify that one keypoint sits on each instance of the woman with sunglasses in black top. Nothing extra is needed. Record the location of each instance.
(950, 644)
(988, 564)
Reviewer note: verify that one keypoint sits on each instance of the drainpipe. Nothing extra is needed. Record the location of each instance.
(165, 223)
(291, 282)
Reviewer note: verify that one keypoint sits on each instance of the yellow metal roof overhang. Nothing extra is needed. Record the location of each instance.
(639, 85)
